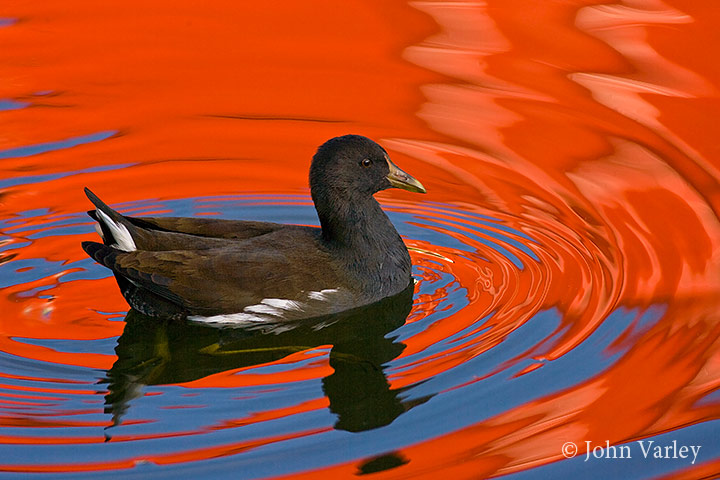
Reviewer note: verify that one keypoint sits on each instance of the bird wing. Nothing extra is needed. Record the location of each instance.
(207, 227)
(223, 279)
(164, 233)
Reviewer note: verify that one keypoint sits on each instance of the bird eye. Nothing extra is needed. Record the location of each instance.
(366, 162)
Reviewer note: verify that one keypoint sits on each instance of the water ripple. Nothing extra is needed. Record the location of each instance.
(30, 150)
(458, 347)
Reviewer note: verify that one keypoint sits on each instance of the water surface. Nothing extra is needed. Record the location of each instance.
(565, 256)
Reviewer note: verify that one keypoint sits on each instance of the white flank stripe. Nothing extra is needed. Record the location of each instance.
(322, 294)
(123, 239)
(228, 319)
(282, 304)
(263, 309)
(253, 314)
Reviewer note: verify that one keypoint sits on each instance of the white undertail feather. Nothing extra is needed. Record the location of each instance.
(120, 233)
(99, 231)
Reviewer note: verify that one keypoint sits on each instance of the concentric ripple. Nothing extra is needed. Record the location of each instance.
(566, 254)
(478, 331)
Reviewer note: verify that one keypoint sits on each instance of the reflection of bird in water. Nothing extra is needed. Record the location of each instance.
(222, 271)
(152, 351)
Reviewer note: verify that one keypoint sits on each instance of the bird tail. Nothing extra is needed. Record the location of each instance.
(114, 228)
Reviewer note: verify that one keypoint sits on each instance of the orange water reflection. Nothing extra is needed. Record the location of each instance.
(589, 127)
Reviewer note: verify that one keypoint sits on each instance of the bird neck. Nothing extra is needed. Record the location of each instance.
(362, 234)
(357, 222)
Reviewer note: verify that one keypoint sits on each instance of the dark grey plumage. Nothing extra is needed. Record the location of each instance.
(261, 271)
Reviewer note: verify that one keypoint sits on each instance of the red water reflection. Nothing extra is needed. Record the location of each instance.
(590, 127)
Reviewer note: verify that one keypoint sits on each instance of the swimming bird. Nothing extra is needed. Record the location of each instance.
(240, 272)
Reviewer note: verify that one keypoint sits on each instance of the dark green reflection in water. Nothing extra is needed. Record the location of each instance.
(157, 352)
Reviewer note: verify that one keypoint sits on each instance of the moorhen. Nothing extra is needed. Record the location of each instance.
(238, 272)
